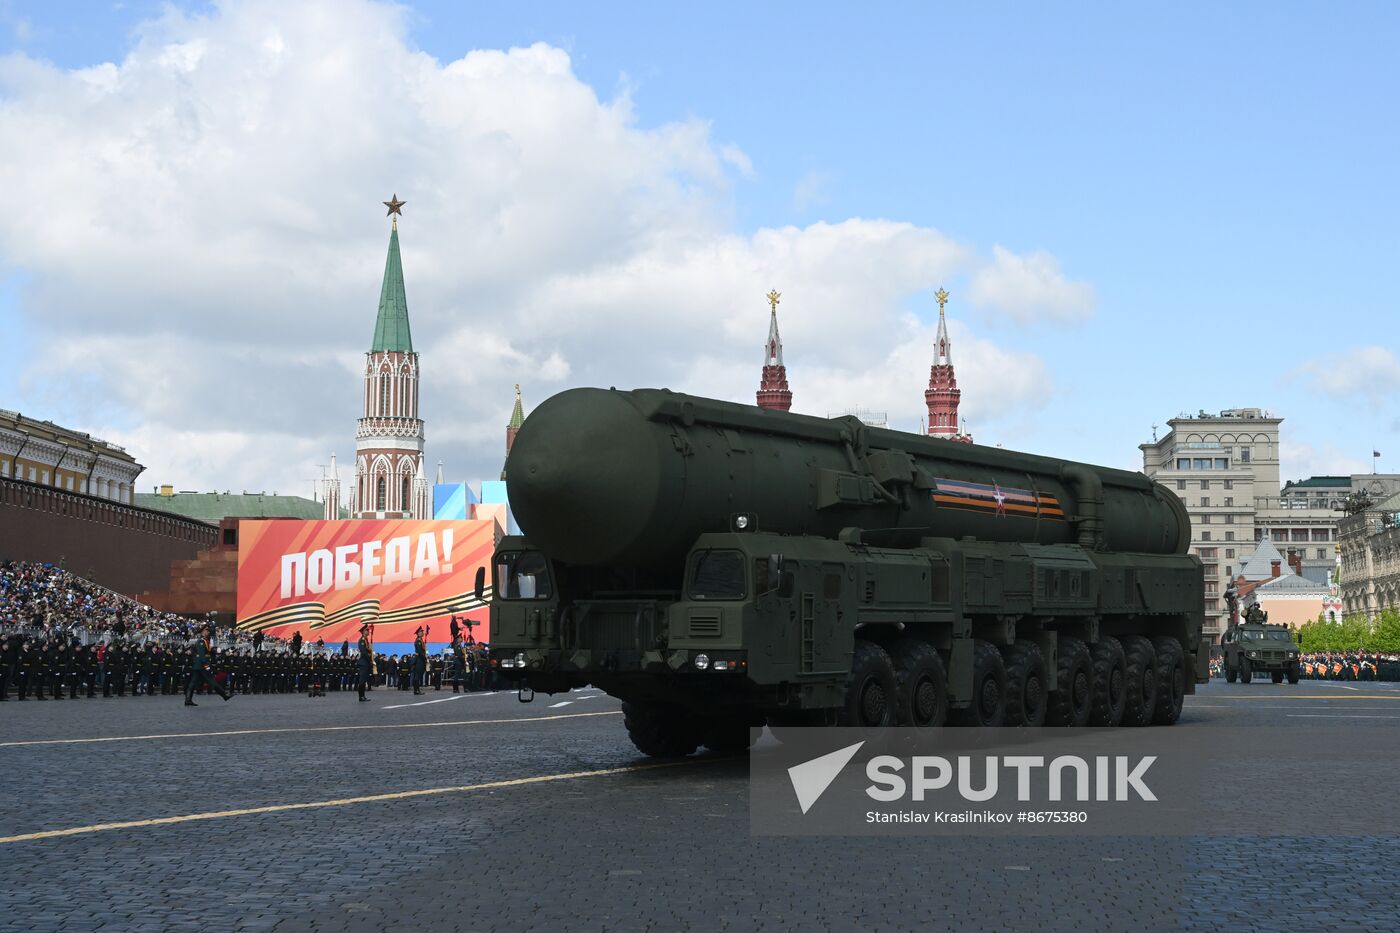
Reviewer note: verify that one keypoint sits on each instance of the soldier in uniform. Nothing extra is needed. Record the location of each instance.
(459, 662)
(24, 666)
(8, 656)
(420, 660)
(366, 661)
(202, 672)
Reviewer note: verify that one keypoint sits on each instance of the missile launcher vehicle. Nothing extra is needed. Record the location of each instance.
(719, 566)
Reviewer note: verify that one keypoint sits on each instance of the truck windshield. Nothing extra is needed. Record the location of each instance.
(717, 575)
(522, 575)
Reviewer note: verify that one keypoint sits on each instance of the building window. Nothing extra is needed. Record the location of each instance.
(1229, 519)
(1222, 464)
(403, 492)
(1183, 464)
(1229, 484)
(1205, 536)
(1181, 484)
(384, 394)
(1211, 588)
(1205, 519)
(1205, 484)
(1205, 500)
(380, 494)
(1206, 553)
(1244, 455)
(1321, 554)
(1229, 552)
(1229, 536)
(1319, 534)
(1229, 500)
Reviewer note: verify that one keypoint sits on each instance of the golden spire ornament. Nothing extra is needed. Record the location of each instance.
(773, 298)
(942, 296)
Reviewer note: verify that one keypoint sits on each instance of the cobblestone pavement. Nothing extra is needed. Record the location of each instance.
(644, 848)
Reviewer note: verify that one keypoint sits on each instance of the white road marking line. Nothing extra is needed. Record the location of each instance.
(562, 703)
(343, 802)
(397, 725)
(1337, 716)
(459, 696)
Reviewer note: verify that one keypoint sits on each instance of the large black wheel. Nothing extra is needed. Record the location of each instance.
(1293, 672)
(730, 735)
(988, 707)
(1276, 676)
(1140, 693)
(1073, 698)
(1231, 675)
(1110, 682)
(1171, 680)
(1026, 691)
(872, 693)
(923, 685)
(659, 730)
(1246, 671)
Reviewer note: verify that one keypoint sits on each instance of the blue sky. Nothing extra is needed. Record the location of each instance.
(1223, 175)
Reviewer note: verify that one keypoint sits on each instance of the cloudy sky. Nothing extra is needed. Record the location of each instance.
(1138, 214)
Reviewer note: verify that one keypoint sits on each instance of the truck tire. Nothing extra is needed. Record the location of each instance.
(1171, 680)
(1231, 674)
(660, 731)
(988, 706)
(872, 692)
(1073, 699)
(729, 735)
(1110, 682)
(1276, 676)
(1246, 672)
(1025, 684)
(923, 684)
(1140, 693)
(1293, 672)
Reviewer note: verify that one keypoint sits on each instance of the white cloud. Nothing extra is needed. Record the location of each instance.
(1371, 372)
(207, 259)
(812, 189)
(1029, 287)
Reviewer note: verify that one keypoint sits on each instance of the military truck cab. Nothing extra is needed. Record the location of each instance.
(1256, 647)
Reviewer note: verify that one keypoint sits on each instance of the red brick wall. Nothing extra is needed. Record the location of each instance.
(122, 547)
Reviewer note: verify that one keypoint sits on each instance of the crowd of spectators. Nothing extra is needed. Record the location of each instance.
(62, 636)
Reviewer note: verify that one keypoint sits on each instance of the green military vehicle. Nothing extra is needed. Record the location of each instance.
(719, 566)
(1253, 646)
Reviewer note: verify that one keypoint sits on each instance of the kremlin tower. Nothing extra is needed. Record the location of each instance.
(517, 418)
(389, 477)
(943, 394)
(773, 391)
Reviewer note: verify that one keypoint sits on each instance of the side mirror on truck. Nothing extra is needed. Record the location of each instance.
(480, 582)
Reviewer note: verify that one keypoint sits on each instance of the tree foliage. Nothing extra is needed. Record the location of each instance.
(1352, 634)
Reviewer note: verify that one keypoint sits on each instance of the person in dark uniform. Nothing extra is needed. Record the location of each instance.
(9, 656)
(420, 660)
(366, 660)
(24, 667)
(201, 672)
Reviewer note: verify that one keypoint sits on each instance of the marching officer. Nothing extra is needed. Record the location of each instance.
(201, 672)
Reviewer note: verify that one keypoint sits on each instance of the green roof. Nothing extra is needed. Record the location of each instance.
(391, 327)
(517, 416)
(1328, 481)
(214, 507)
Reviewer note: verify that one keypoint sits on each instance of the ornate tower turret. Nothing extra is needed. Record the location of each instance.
(943, 395)
(389, 437)
(773, 391)
(517, 418)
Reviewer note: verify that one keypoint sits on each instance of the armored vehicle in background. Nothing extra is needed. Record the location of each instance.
(717, 566)
(1255, 647)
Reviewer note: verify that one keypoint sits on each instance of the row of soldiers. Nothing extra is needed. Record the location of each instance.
(57, 666)
(1353, 666)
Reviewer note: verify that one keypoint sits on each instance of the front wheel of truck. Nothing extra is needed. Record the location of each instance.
(659, 730)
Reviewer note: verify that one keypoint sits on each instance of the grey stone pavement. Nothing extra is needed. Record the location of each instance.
(658, 849)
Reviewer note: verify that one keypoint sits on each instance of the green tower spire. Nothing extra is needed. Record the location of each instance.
(391, 327)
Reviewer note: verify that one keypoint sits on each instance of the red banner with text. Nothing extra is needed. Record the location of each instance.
(325, 578)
